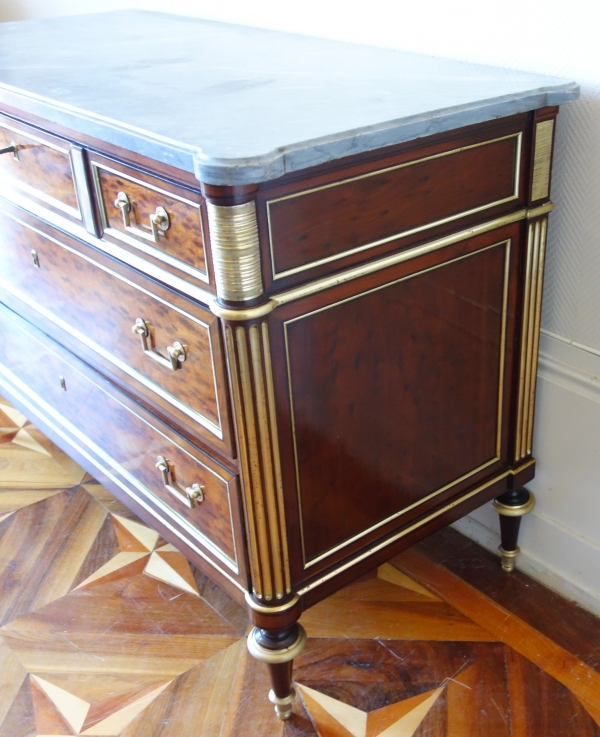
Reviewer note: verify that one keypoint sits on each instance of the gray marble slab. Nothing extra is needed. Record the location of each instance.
(238, 105)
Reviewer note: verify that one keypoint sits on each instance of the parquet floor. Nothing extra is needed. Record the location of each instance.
(106, 630)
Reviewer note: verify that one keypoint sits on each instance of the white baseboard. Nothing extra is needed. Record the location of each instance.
(560, 539)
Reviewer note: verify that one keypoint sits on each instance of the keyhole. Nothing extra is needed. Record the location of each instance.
(35, 257)
(63, 383)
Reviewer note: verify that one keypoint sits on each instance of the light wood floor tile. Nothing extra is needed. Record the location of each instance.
(12, 675)
(199, 697)
(24, 468)
(390, 620)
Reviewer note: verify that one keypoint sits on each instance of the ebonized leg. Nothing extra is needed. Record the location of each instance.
(511, 506)
(278, 648)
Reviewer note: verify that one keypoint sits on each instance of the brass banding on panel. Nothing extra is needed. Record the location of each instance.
(542, 157)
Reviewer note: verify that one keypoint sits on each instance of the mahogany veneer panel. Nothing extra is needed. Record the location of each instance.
(336, 217)
(421, 359)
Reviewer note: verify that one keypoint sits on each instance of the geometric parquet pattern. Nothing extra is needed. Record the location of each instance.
(107, 630)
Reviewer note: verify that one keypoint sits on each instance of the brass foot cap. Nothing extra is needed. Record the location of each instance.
(508, 558)
(283, 706)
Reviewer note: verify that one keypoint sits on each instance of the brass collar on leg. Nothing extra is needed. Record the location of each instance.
(273, 657)
(519, 510)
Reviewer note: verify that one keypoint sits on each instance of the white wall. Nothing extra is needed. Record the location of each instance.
(561, 539)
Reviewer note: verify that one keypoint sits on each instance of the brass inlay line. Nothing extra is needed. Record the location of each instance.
(401, 534)
(531, 320)
(254, 462)
(320, 285)
(536, 334)
(502, 348)
(276, 457)
(259, 451)
(502, 352)
(540, 185)
(532, 308)
(265, 448)
(403, 234)
(235, 251)
(246, 476)
(525, 324)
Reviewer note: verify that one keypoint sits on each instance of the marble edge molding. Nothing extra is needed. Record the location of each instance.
(289, 158)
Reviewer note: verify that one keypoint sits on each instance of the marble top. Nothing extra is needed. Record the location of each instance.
(238, 105)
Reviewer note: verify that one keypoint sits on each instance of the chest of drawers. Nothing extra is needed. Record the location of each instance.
(286, 308)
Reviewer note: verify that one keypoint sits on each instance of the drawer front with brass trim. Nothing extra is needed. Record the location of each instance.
(148, 214)
(324, 222)
(194, 493)
(169, 346)
(40, 165)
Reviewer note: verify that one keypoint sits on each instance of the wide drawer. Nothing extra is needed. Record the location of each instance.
(327, 221)
(41, 166)
(152, 215)
(165, 346)
(127, 440)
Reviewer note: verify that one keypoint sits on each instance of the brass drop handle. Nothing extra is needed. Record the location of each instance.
(12, 148)
(159, 220)
(176, 353)
(193, 495)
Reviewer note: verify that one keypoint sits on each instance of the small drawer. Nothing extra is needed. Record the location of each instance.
(165, 346)
(148, 214)
(40, 166)
(193, 494)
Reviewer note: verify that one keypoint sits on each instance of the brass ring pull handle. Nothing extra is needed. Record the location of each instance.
(12, 148)
(159, 220)
(176, 353)
(193, 494)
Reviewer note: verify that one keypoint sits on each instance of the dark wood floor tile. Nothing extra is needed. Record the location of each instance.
(103, 549)
(134, 606)
(20, 719)
(221, 602)
(435, 723)
(5, 522)
(563, 621)
(540, 705)
(370, 674)
(478, 699)
(43, 550)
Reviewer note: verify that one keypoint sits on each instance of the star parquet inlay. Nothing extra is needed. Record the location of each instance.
(107, 630)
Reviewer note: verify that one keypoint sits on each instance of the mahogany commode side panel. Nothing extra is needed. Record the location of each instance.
(295, 340)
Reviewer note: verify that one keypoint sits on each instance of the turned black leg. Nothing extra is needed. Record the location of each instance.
(511, 506)
(278, 648)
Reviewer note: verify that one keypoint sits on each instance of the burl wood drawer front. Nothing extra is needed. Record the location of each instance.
(100, 301)
(324, 222)
(155, 216)
(126, 438)
(41, 167)
(399, 389)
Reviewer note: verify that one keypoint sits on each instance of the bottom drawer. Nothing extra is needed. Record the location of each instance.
(128, 441)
